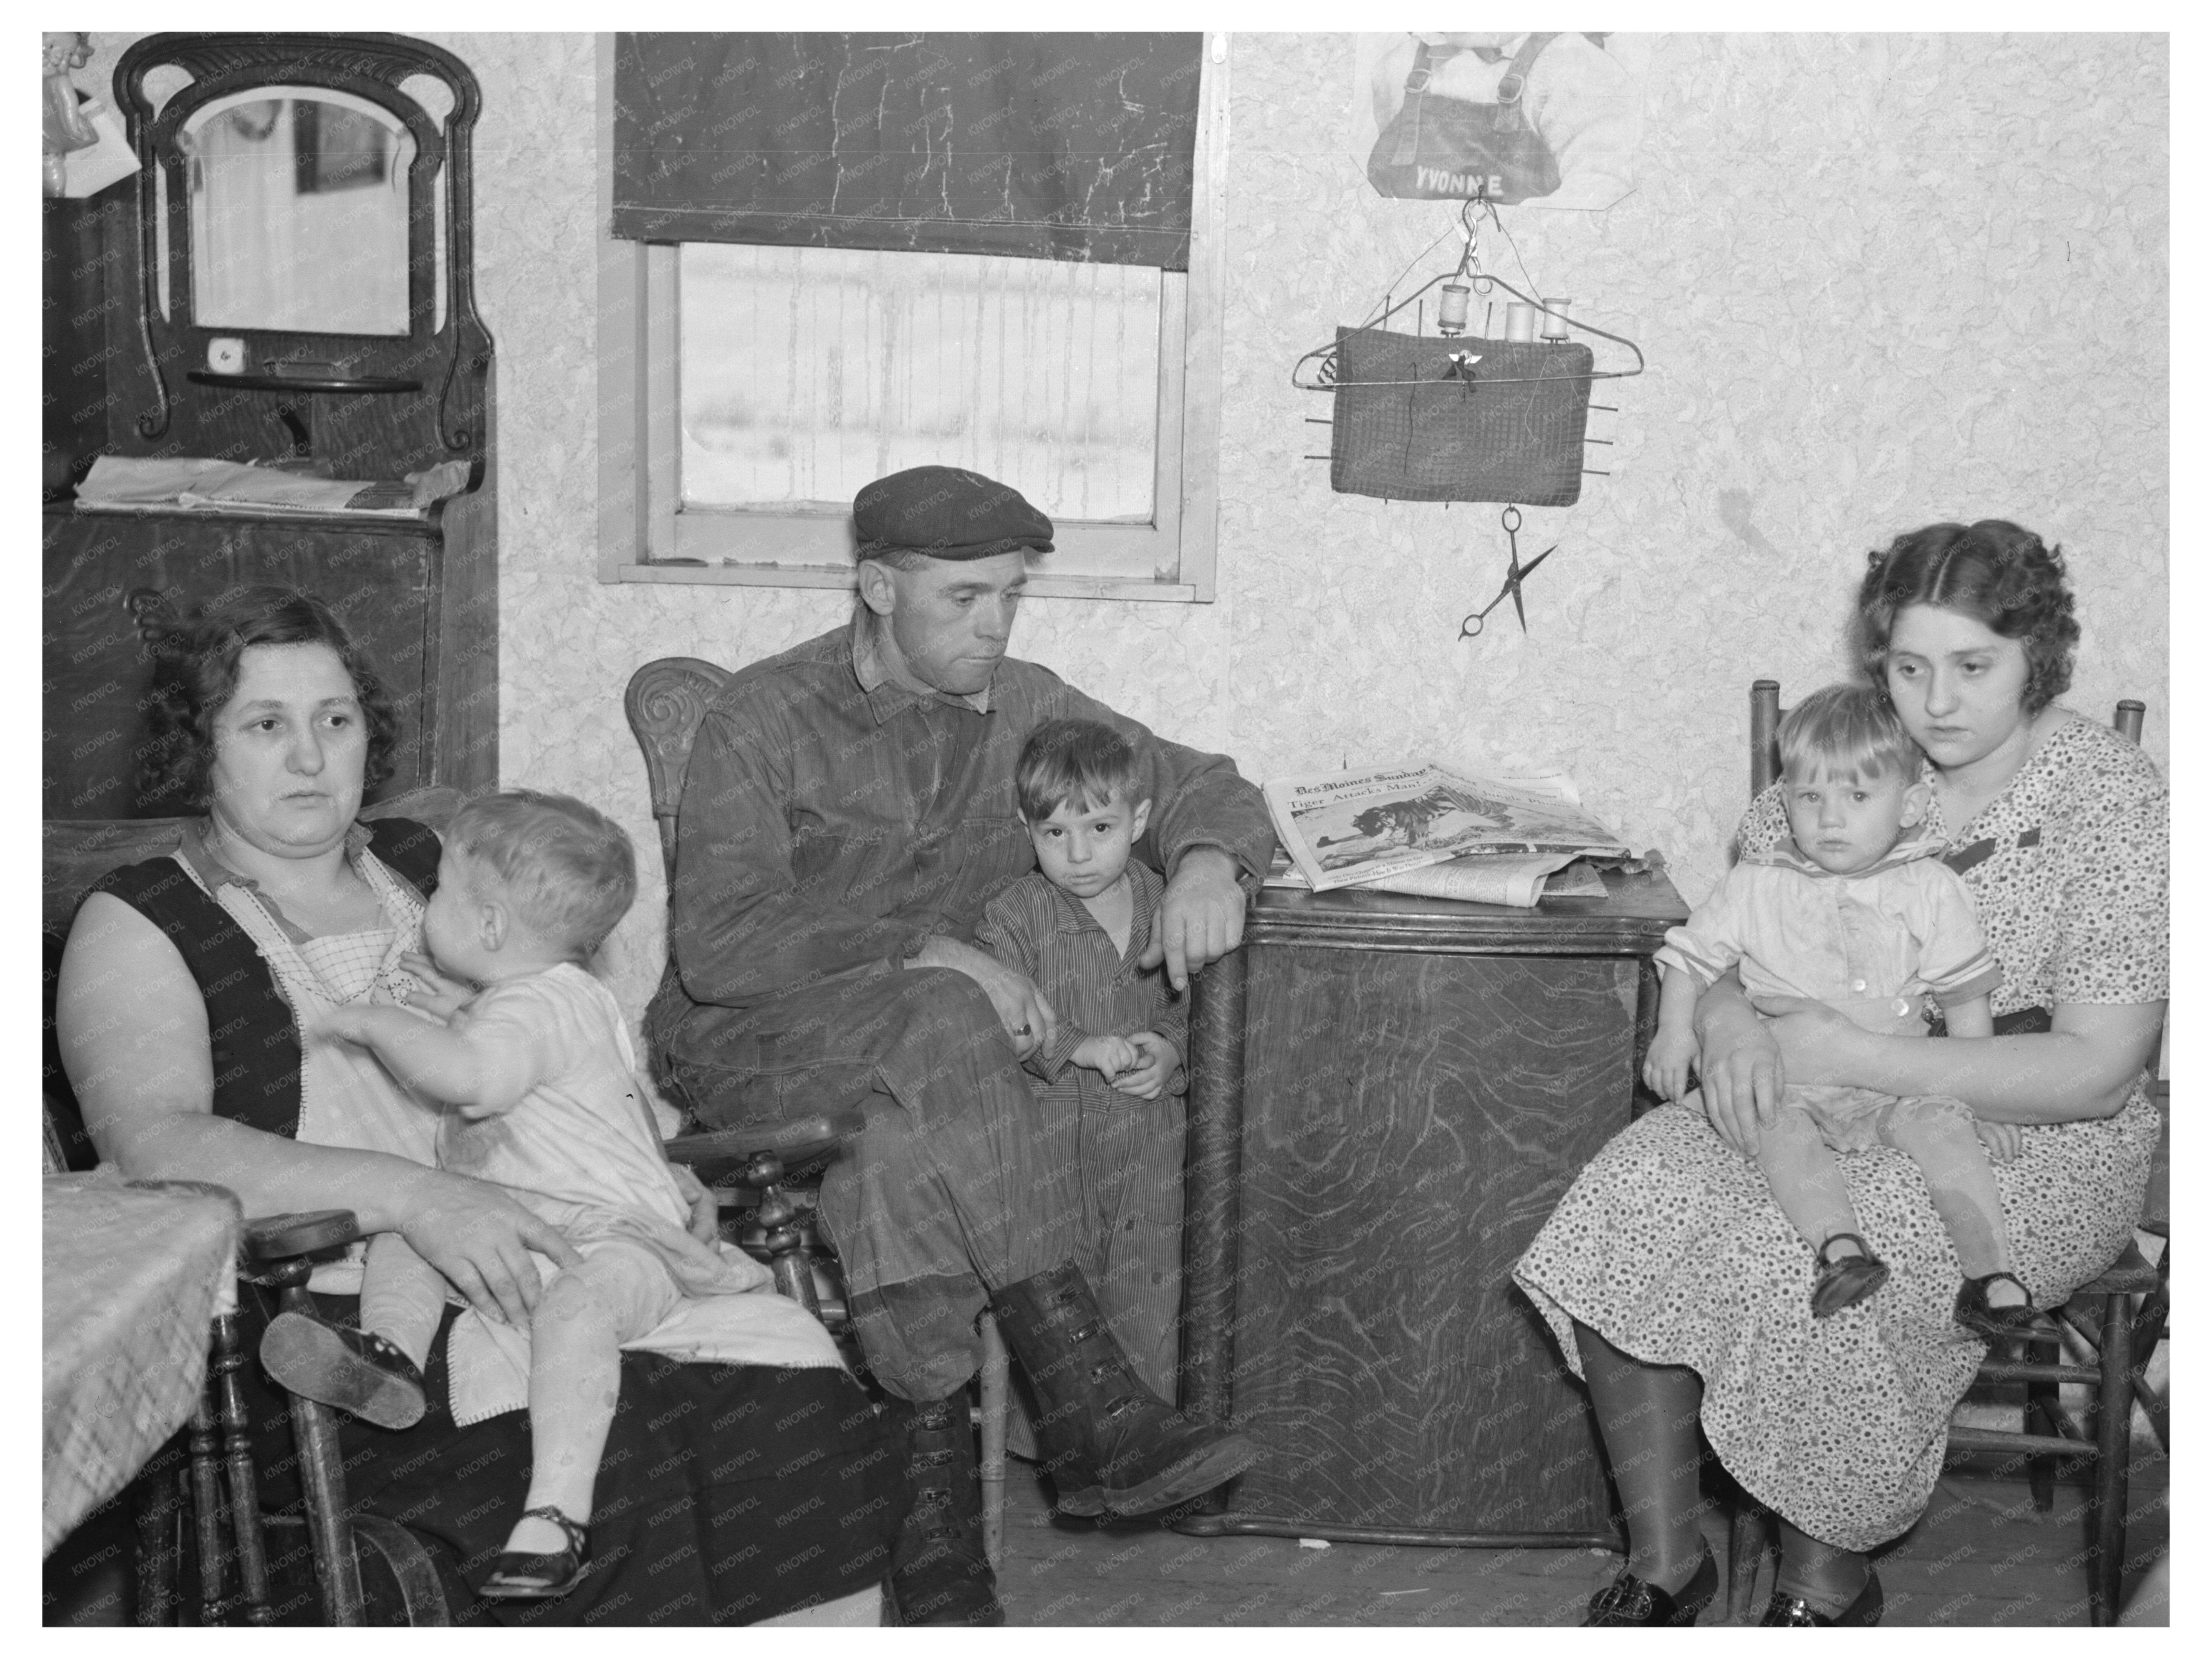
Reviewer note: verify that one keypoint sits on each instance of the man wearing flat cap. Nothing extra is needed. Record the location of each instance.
(849, 810)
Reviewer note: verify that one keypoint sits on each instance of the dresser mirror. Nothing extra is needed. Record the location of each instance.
(297, 202)
(304, 229)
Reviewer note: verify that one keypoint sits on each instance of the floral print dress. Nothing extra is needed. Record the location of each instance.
(1669, 1246)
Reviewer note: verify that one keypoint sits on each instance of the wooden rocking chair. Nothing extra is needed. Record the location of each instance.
(664, 703)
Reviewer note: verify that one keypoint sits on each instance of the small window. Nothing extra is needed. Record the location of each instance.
(804, 372)
(747, 392)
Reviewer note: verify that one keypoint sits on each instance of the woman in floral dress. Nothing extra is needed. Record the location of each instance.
(1675, 1286)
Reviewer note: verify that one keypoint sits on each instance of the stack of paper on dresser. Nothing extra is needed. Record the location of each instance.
(1423, 830)
(144, 483)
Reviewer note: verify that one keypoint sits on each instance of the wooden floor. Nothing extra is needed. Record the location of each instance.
(1982, 1556)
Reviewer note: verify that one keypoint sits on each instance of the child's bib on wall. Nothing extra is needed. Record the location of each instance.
(1447, 149)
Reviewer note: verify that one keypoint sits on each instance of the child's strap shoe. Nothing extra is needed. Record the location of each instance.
(533, 1576)
(1843, 1281)
(1991, 1321)
(356, 1371)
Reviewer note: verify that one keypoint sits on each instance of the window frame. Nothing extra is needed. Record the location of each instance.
(647, 535)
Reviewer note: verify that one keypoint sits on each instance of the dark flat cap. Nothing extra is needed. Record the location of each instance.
(947, 514)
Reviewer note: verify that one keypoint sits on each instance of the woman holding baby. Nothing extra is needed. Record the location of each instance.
(189, 997)
(1675, 1286)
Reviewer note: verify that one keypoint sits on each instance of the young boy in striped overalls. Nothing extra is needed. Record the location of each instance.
(1109, 1082)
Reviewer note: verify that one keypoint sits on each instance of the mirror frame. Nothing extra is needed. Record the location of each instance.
(446, 363)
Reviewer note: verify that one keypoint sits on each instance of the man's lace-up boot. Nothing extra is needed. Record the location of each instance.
(1062, 1454)
(939, 1574)
(1145, 1454)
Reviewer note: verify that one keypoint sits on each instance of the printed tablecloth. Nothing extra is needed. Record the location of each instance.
(132, 1275)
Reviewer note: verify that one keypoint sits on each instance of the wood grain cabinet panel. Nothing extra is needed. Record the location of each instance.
(1387, 1104)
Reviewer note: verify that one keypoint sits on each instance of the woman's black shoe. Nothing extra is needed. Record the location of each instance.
(1844, 1279)
(1629, 1601)
(1795, 1611)
(1974, 1310)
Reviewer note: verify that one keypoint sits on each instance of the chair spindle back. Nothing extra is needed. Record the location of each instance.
(1766, 723)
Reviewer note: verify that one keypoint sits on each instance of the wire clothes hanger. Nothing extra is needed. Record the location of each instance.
(1323, 357)
(1516, 573)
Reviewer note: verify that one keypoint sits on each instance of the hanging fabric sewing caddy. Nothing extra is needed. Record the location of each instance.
(1488, 409)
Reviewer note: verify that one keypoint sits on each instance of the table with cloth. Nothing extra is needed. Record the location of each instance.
(132, 1275)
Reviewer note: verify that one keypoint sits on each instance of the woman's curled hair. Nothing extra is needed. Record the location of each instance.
(1994, 571)
(196, 674)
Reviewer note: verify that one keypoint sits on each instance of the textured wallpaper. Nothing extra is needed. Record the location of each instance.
(1880, 280)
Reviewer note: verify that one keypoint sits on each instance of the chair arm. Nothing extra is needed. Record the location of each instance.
(794, 1141)
(272, 1240)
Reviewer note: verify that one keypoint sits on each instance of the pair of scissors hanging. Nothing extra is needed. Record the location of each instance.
(1515, 574)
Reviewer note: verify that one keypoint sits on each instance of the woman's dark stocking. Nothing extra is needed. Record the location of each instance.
(1828, 1578)
(1648, 1415)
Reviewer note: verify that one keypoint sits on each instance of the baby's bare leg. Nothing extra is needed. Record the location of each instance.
(585, 1314)
(1939, 1136)
(1802, 1175)
(402, 1297)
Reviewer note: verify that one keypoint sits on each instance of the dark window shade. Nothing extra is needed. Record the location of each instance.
(1041, 146)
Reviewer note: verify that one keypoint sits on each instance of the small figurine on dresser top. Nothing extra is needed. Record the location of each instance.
(544, 1096)
(1856, 911)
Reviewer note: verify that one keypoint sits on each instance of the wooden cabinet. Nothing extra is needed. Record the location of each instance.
(1388, 1097)
(419, 596)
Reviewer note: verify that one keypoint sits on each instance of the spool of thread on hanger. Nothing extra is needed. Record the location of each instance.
(1521, 322)
(1451, 307)
(1555, 321)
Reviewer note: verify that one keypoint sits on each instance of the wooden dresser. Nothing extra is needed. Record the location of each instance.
(421, 597)
(1388, 1097)
(287, 280)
